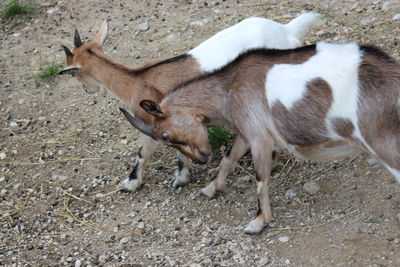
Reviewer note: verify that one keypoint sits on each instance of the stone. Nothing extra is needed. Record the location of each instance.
(396, 17)
(78, 263)
(290, 194)
(263, 261)
(124, 240)
(143, 26)
(311, 187)
(3, 155)
(141, 225)
(283, 239)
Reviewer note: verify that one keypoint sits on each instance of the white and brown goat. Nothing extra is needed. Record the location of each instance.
(319, 102)
(94, 69)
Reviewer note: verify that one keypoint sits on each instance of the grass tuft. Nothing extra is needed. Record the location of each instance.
(219, 136)
(48, 72)
(16, 8)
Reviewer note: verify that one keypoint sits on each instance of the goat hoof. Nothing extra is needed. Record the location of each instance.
(180, 181)
(129, 185)
(255, 227)
(208, 192)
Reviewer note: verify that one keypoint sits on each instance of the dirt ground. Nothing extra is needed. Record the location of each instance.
(65, 151)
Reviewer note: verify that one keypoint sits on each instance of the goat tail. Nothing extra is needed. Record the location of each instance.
(303, 23)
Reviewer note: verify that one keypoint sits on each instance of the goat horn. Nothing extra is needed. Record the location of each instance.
(67, 51)
(138, 123)
(77, 39)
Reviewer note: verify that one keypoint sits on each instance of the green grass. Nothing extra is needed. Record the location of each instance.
(219, 136)
(16, 8)
(48, 72)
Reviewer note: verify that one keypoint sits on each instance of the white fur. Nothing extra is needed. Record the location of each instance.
(252, 33)
(395, 172)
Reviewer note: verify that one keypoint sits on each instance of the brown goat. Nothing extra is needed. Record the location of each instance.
(319, 102)
(94, 69)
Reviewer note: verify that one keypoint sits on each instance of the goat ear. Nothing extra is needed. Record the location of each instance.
(77, 39)
(201, 118)
(152, 108)
(102, 33)
(138, 123)
(70, 70)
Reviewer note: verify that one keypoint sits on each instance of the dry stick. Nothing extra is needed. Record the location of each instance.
(246, 171)
(78, 198)
(316, 225)
(279, 180)
(31, 264)
(81, 221)
(50, 162)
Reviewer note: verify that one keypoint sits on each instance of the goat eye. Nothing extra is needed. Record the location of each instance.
(165, 136)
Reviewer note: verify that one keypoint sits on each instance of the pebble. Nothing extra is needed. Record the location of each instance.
(287, 261)
(143, 26)
(387, 5)
(311, 187)
(124, 240)
(283, 239)
(195, 265)
(3, 192)
(78, 263)
(396, 17)
(263, 261)
(141, 225)
(290, 194)
(124, 141)
(2, 178)
(3, 155)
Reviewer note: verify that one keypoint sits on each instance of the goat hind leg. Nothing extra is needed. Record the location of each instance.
(135, 179)
(262, 156)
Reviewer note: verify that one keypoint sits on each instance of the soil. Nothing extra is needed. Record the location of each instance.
(63, 152)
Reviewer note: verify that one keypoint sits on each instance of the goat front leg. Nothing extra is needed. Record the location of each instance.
(228, 163)
(182, 176)
(262, 156)
(135, 179)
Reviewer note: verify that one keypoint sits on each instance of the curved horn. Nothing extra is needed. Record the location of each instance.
(138, 123)
(77, 39)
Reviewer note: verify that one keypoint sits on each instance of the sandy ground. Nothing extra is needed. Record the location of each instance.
(65, 152)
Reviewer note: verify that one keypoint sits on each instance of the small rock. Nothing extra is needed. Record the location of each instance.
(124, 141)
(287, 261)
(141, 225)
(311, 187)
(396, 240)
(387, 5)
(143, 26)
(367, 20)
(78, 263)
(3, 155)
(290, 194)
(50, 11)
(16, 34)
(264, 261)
(7, 84)
(124, 240)
(61, 152)
(3, 192)
(283, 239)
(13, 124)
(16, 186)
(2, 178)
(373, 162)
(396, 17)
(195, 265)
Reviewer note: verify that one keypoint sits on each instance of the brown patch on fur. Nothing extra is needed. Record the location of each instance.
(343, 127)
(304, 123)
